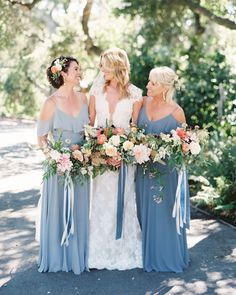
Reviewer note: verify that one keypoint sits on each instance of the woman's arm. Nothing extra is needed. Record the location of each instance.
(179, 115)
(46, 114)
(136, 109)
(92, 110)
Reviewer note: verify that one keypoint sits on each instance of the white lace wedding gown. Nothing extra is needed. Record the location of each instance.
(105, 252)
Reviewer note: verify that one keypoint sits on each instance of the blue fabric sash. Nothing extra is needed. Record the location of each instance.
(181, 210)
(68, 210)
(120, 200)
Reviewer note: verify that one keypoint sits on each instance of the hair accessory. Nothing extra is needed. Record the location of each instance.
(57, 67)
(176, 83)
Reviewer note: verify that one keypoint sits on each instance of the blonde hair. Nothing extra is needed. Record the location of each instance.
(117, 60)
(167, 77)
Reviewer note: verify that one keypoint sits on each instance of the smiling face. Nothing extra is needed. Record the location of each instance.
(73, 75)
(107, 70)
(155, 89)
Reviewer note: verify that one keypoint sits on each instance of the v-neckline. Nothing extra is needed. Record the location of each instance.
(146, 114)
(71, 116)
(108, 106)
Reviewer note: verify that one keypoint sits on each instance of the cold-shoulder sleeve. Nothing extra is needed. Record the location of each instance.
(97, 86)
(44, 127)
(135, 93)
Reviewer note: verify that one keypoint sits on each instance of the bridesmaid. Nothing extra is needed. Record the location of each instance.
(163, 248)
(64, 113)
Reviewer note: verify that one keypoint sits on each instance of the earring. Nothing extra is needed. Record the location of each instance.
(164, 96)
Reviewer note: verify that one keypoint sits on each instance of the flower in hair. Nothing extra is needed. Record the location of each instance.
(176, 83)
(57, 67)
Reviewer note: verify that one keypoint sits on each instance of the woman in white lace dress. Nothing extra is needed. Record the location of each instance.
(114, 101)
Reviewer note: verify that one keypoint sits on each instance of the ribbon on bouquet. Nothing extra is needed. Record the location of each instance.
(120, 200)
(68, 210)
(181, 206)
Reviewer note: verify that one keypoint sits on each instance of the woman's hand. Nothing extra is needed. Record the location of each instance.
(114, 162)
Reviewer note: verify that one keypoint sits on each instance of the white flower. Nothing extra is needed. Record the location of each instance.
(165, 137)
(110, 150)
(162, 152)
(194, 148)
(141, 153)
(83, 171)
(193, 136)
(128, 145)
(90, 131)
(58, 65)
(175, 137)
(202, 135)
(55, 155)
(67, 141)
(86, 151)
(115, 140)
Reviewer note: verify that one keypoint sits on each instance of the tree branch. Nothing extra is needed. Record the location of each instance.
(29, 6)
(196, 8)
(90, 47)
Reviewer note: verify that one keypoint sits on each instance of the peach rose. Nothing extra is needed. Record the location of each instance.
(101, 139)
(111, 150)
(54, 69)
(74, 147)
(185, 147)
(78, 155)
(181, 133)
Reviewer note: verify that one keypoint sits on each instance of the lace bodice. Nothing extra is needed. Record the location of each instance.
(123, 109)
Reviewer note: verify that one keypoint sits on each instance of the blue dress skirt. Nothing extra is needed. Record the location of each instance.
(163, 248)
(72, 256)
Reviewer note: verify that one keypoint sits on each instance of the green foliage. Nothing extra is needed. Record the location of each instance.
(221, 174)
(205, 83)
(19, 95)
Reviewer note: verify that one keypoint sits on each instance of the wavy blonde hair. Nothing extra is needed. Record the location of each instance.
(117, 60)
(167, 77)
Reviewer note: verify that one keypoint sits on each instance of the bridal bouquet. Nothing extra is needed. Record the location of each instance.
(110, 143)
(73, 161)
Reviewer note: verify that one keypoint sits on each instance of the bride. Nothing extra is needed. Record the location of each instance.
(115, 101)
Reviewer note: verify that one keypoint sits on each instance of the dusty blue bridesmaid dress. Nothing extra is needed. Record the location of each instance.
(53, 256)
(163, 248)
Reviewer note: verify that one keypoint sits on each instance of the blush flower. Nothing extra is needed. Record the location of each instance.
(194, 148)
(110, 150)
(64, 164)
(78, 155)
(185, 147)
(55, 155)
(141, 153)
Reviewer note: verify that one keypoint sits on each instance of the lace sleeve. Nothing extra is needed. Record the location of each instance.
(97, 85)
(135, 93)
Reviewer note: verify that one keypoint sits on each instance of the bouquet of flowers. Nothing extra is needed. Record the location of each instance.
(110, 143)
(64, 161)
(180, 146)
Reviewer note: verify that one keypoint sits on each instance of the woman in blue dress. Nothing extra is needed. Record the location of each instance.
(164, 244)
(63, 115)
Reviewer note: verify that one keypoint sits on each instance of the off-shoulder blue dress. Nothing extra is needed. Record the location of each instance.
(53, 256)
